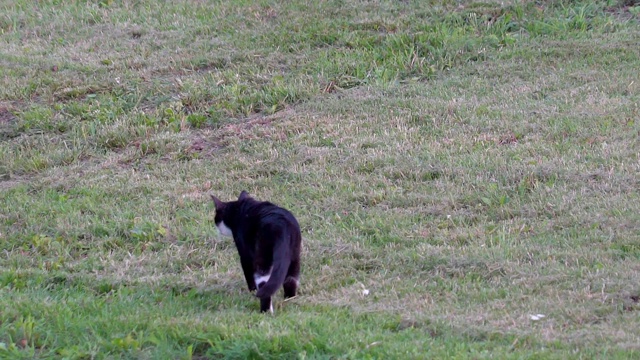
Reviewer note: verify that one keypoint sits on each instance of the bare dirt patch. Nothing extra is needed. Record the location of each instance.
(254, 127)
(6, 114)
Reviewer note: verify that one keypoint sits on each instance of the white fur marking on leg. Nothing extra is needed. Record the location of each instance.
(261, 278)
(224, 229)
(271, 307)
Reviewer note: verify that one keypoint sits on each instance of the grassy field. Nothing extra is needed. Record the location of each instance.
(457, 167)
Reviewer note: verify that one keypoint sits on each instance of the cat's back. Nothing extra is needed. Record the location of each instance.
(267, 213)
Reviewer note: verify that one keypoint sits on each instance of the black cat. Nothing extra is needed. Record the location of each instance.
(268, 240)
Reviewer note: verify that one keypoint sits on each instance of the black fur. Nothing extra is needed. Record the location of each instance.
(266, 236)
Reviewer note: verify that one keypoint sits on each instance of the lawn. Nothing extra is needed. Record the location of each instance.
(466, 175)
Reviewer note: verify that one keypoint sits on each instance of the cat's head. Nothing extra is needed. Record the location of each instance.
(222, 210)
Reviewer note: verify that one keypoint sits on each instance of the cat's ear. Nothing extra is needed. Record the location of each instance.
(217, 201)
(243, 195)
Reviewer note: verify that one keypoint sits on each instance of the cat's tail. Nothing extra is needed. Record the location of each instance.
(281, 262)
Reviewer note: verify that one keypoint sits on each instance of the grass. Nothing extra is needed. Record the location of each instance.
(469, 164)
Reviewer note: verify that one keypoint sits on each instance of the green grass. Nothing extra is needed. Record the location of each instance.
(469, 164)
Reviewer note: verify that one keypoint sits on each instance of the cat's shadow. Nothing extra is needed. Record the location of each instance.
(226, 296)
(214, 297)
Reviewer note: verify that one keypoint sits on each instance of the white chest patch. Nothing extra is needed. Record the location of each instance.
(224, 229)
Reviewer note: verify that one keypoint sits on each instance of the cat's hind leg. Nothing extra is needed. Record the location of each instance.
(266, 305)
(247, 269)
(260, 280)
(292, 280)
